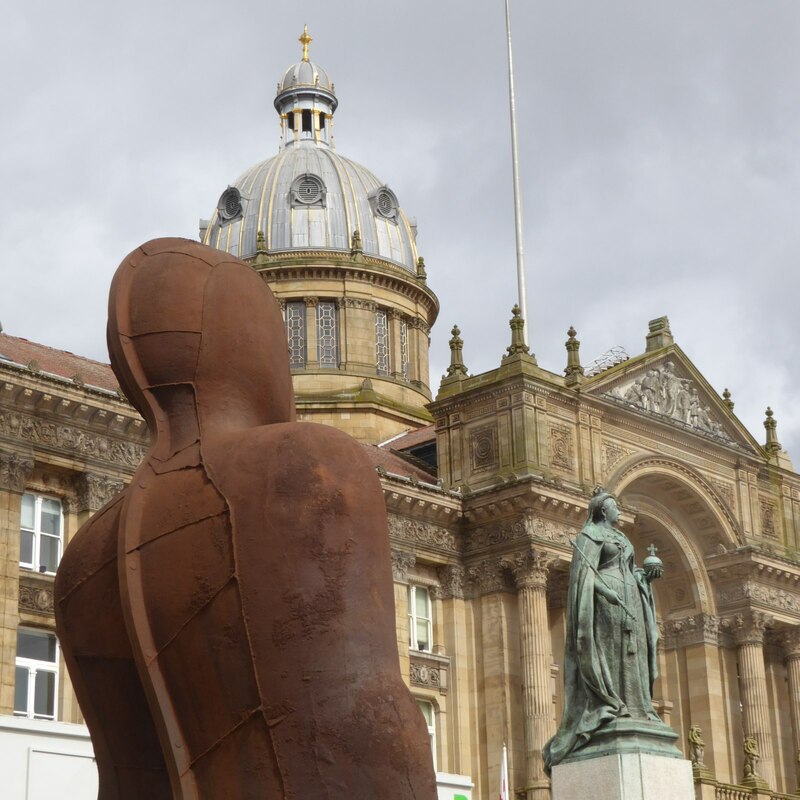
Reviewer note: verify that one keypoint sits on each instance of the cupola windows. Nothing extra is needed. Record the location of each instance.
(229, 206)
(384, 203)
(308, 190)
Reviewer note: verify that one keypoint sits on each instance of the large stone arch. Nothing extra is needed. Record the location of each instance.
(681, 513)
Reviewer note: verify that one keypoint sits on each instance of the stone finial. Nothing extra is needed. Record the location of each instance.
(422, 275)
(659, 334)
(457, 367)
(518, 346)
(726, 398)
(574, 370)
(773, 446)
(355, 243)
(261, 245)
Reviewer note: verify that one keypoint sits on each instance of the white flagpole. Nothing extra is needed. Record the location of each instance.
(523, 303)
(504, 794)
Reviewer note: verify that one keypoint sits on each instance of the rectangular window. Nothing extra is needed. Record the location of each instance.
(296, 334)
(404, 349)
(36, 682)
(381, 343)
(429, 713)
(419, 618)
(40, 533)
(327, 335)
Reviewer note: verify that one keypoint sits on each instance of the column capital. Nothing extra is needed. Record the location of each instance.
(15, 469)
(529, 568)
(750, 627)
(451, 581)
(487, 576)
(790, 643)
(402, 562)
(94, 491)
(311, 301)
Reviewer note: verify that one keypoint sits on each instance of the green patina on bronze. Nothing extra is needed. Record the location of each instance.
(610, 660)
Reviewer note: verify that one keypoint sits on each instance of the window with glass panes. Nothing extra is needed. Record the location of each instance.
(429, 713)
(381, 342)
(419, 618)
(296, 333)
(327, 335)
(404, 348)
(40, 532)
(36, 678)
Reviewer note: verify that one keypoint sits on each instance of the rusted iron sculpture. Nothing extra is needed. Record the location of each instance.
(228, 620)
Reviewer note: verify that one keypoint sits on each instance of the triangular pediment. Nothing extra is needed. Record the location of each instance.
(667, 387)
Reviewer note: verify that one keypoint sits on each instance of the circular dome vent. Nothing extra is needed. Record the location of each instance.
(308, 190)
(230, 204)
(384, 203)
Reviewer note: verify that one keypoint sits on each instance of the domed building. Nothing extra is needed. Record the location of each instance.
(486, 488)
(339, 253)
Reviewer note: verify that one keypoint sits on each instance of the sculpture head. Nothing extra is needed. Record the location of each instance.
(603, 507)
(193, 329)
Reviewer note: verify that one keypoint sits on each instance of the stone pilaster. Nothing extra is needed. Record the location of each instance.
(791, 650)
(15, 469)
(530, 574)
(748, 631)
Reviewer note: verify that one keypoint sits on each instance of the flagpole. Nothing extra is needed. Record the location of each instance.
(523, 303)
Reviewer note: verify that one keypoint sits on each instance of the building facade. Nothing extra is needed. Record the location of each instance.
(485, 485)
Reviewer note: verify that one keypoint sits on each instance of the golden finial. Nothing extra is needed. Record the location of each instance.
(305, 40)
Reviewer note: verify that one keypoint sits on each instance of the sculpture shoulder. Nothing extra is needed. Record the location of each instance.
(594, 532)
(292, 446)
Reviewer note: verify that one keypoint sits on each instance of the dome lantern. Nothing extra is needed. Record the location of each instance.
(306, 101)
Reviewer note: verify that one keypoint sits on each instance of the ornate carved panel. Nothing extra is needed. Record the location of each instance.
(429, 671)
(561, 447)
(35, 596)
(483, 448)
(422, 533)
(71, 439)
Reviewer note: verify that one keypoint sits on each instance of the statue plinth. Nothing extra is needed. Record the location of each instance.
(624, 776)
(629, 736)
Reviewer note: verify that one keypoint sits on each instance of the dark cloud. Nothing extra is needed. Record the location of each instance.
(658, 145)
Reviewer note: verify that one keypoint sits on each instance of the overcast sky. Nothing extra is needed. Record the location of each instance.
(659, 149)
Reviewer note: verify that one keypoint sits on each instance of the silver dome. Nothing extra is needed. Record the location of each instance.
(308, 197)
(274, 196)
(304, 74)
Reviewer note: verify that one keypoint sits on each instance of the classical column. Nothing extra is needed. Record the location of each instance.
(530, 573)
(748, 630)
(791, 652)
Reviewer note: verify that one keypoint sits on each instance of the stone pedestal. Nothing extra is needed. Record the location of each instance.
(624, 776)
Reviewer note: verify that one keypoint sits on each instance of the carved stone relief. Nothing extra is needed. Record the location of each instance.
(768, 519)
(35, 598)
(487, 535)
(664, 393)
(696, 629)
(71, 439)
(483, 448)
(451, 581)
(429, 673)
(402, 562)
(423, 533)
(486, 577)
(611, 454)
(94, 491)
(14, 470)
(560, 447)
(725, 491)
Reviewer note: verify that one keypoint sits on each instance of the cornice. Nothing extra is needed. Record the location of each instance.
(73, 405)
(367, 269)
